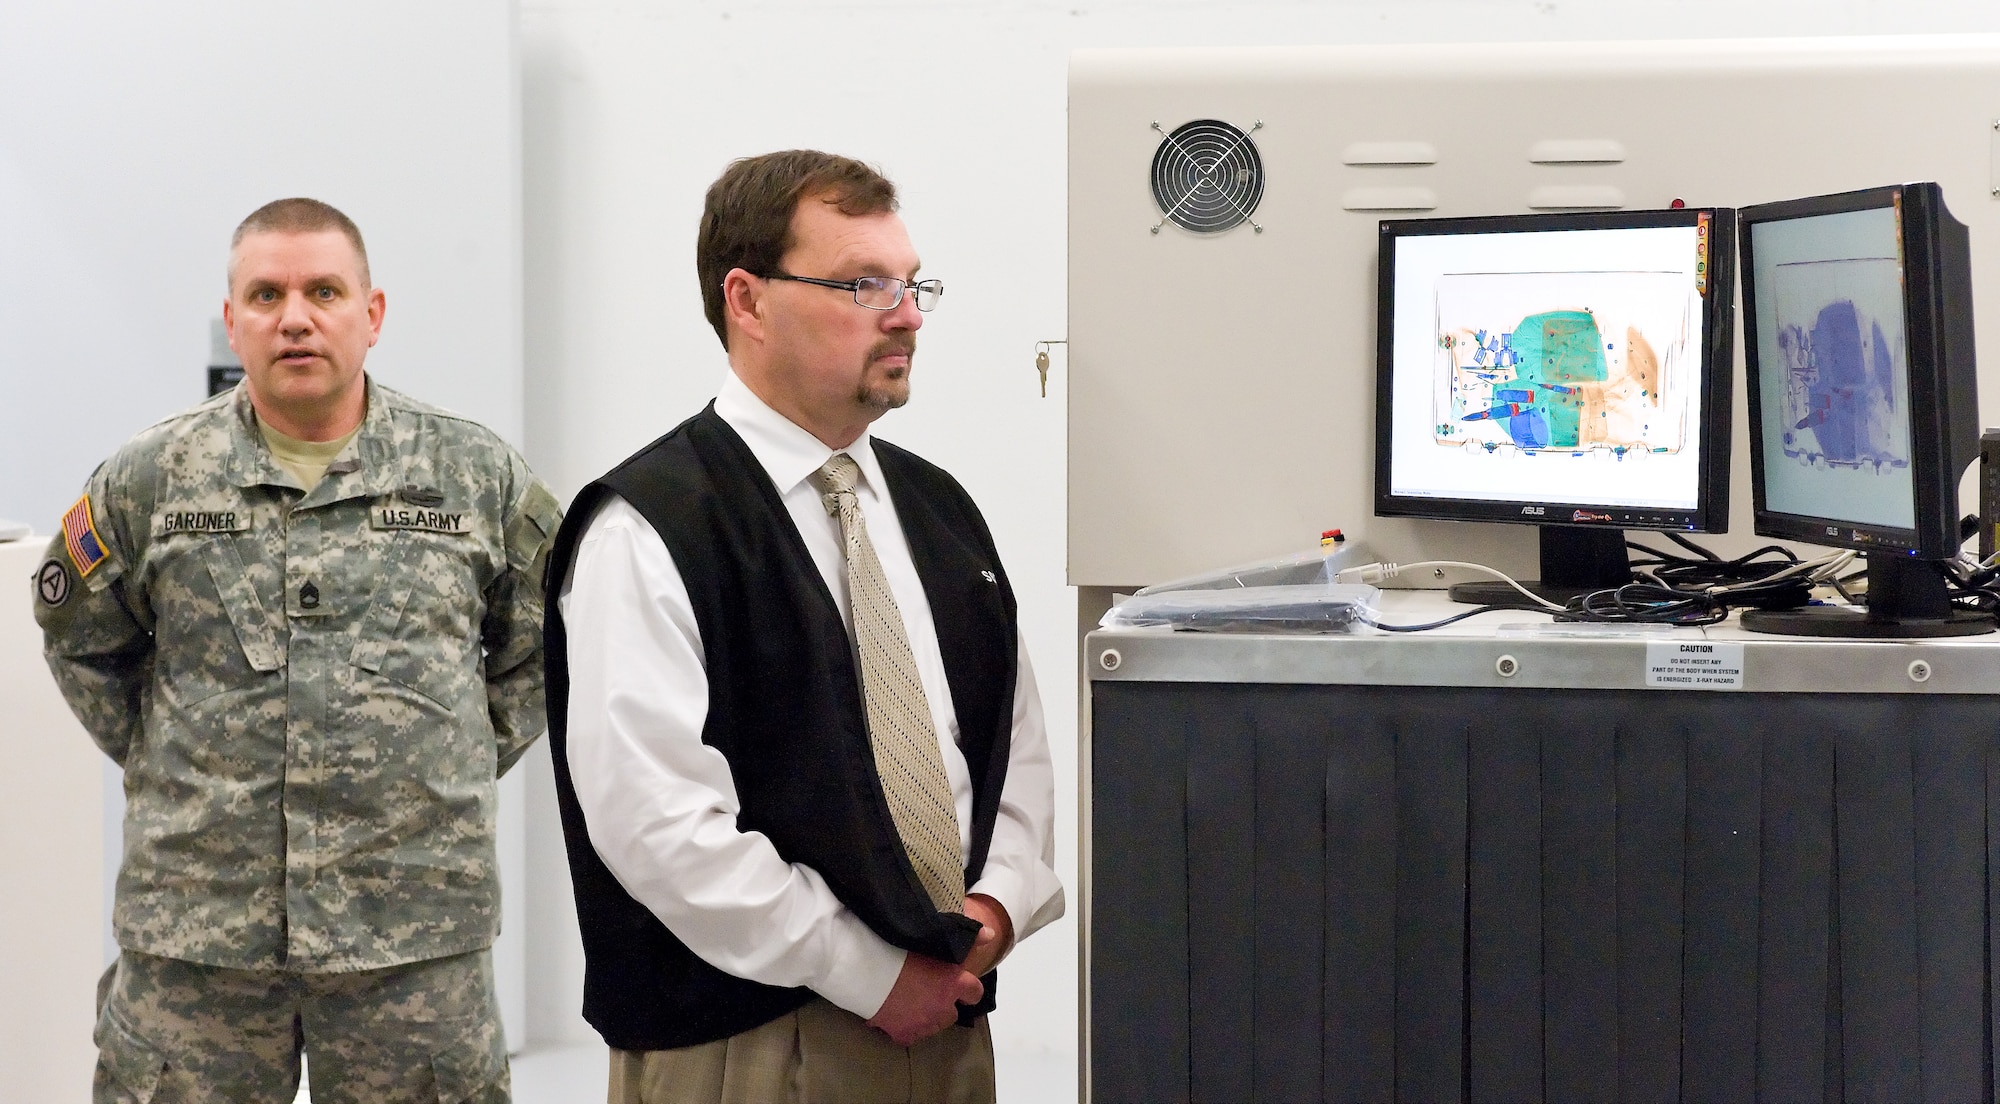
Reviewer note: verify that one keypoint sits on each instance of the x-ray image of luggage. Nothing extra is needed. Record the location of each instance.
(1564, 361)
(1840, 328)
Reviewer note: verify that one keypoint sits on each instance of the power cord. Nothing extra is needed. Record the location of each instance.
(1453, 619)
(1671, 589)
(1377, 573)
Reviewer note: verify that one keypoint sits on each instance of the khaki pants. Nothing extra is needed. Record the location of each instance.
(818, 1055)
(172, 1032)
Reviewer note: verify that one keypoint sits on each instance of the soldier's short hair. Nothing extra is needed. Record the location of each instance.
(746, 221)
(297, 215)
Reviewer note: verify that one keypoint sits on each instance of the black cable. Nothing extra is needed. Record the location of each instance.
(1453, 618)
(1680, 590)
(1691, 546)
(1647, 603)
(1710, 570)
(1702, 589)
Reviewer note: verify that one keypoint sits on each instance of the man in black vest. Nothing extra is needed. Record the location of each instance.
(800, 757)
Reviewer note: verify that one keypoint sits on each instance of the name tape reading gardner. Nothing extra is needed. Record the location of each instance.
(1672, 665)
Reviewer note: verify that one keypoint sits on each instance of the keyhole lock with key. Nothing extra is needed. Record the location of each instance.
(1042, 361)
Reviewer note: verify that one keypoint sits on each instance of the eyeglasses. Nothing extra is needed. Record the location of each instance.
(876, 292)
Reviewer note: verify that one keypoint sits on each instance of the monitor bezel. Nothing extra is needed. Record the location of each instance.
(1934, 482)
(1710, 514)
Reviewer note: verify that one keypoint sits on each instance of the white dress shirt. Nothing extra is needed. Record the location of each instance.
(661, 805)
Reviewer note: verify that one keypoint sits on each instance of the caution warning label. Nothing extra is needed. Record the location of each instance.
(1701, 665)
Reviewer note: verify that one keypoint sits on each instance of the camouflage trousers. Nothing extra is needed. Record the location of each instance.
(173, 1032)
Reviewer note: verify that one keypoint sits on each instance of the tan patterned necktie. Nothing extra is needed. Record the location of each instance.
(899, 716)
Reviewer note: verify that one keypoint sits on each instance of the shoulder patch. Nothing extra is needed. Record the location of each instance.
(86, 548)
(52, 583)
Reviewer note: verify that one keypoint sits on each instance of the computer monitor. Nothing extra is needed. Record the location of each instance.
(1864, 402)
(1566, 370)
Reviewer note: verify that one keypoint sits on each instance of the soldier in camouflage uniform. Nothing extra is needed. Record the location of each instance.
(305, 617)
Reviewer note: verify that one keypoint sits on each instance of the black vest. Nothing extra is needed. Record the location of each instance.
(785, 710)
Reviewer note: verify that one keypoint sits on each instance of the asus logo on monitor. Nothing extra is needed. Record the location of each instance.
(1532, 511)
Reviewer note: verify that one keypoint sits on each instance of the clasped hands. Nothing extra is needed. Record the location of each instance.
(927, 993)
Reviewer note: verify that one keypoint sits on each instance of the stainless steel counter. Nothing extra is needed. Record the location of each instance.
(1545, 654)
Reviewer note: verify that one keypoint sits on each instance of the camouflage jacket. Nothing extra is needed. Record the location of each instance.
(311, 694)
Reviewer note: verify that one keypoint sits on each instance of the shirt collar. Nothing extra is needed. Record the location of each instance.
(376, 469)
(788, 453)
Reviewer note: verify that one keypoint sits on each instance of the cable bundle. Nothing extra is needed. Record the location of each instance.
(1672, 589)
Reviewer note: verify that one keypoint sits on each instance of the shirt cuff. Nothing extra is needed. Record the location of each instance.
(863, 969)
(1011, 890)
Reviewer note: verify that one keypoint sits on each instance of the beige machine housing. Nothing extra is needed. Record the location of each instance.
(1222, 386)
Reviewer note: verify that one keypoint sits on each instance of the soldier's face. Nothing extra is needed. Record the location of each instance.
(302, 318)
(841, 361)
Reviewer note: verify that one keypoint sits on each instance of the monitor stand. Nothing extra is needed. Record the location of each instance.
(1576, 560)
(1907, 599)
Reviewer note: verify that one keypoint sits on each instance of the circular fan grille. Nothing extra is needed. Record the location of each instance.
(1207, 176)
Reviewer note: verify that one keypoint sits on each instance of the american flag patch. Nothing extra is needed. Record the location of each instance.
(86, 550)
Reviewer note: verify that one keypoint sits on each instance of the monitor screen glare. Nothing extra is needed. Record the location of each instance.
(1828, 292)
(1560, 369)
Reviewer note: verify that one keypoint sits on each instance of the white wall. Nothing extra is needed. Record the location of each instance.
(134, 137)
(631, 110)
